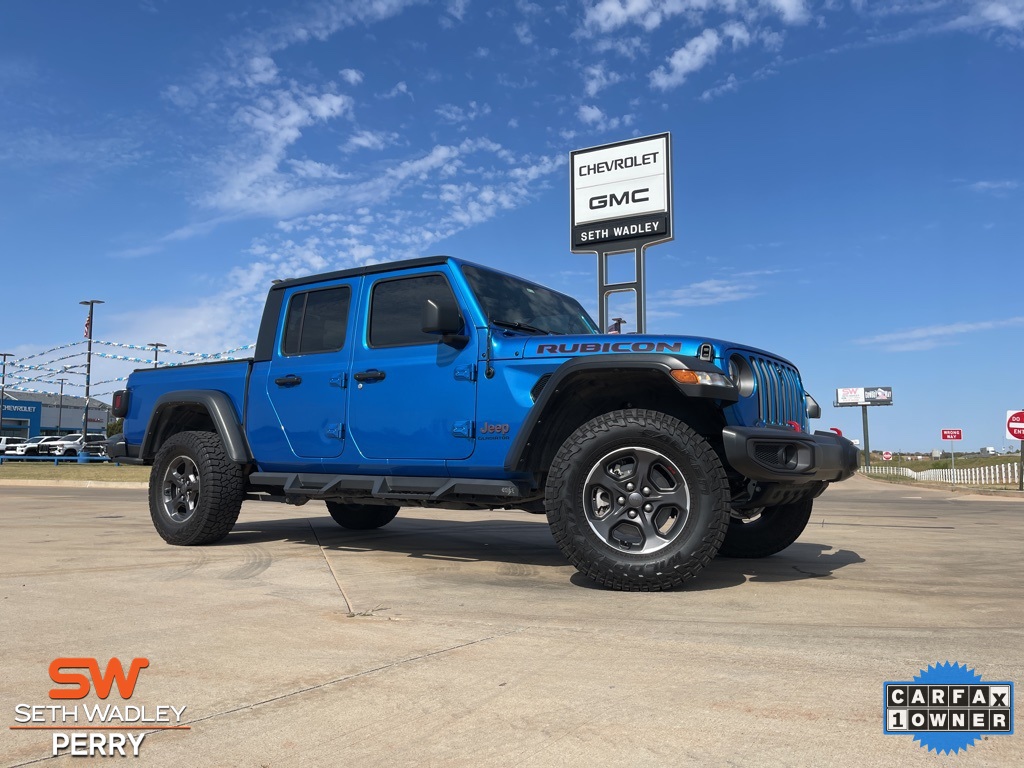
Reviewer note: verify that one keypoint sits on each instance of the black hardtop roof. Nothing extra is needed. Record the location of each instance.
(370, 269)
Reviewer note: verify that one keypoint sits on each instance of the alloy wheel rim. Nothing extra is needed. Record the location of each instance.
(636, 500)
(180, 489)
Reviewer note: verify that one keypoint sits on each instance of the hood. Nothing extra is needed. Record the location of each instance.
(535, 346)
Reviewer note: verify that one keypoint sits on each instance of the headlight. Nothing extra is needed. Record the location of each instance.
(741, 373)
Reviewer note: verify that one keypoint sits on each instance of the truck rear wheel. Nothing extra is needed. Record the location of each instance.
(195, 490)
(361, 517)
(637, 500)
(774, 529)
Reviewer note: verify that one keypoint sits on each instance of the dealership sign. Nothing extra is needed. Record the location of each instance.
(622, 192)
(863, 396)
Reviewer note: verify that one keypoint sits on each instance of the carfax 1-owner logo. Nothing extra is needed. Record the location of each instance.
(947, 707)
(81, 725)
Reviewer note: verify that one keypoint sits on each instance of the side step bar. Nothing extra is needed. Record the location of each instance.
(409, 489)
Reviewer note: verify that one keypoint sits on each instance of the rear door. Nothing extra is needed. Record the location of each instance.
(307, 381)
(413, 396)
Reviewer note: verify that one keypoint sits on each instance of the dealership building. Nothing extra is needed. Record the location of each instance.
(27, 414)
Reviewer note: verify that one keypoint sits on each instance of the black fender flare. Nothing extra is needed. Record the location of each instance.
(619, 363)
(221, 411)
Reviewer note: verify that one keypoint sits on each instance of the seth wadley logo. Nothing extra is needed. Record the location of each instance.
(98, 729)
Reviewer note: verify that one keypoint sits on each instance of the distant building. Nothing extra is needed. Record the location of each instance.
(27, 414)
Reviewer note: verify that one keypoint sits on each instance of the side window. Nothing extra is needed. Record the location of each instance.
(316, 321)
(396, 311)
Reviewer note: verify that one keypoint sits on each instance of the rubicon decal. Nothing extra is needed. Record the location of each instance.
(609, 346)
(96, 729)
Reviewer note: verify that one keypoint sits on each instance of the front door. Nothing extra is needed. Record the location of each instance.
(412, 395)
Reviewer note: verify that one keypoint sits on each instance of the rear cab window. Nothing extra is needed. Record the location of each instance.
(316, 321)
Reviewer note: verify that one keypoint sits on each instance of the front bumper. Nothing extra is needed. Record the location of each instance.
(777, 455)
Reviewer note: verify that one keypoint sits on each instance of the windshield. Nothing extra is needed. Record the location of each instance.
(511, 302)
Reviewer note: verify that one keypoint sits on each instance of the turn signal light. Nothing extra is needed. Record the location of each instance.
(685, 377)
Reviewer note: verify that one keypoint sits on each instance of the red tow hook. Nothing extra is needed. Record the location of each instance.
(837, 430)
(795, 426)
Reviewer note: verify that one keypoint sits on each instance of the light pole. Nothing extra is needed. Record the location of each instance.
(156, 352)
(3, 387)
(60, 406)
(88, 364)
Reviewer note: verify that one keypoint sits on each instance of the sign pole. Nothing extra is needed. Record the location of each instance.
(867, 442)
(1020, 480)
(953, 454)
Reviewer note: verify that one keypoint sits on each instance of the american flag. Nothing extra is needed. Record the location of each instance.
(88, 328)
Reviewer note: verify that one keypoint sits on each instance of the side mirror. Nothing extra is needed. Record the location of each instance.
(443, 319)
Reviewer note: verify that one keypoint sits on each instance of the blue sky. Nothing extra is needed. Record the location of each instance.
(849, 176)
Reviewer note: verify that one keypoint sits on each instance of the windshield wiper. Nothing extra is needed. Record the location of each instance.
(521, 326)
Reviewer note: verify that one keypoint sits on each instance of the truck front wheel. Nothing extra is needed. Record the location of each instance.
(195, 490)
(361, 517)
(637, 500)
(774, 529)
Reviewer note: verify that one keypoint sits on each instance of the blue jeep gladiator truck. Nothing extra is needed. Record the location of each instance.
(439, 383)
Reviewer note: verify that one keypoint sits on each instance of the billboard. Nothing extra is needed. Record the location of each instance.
(850, 396)
(620, 192)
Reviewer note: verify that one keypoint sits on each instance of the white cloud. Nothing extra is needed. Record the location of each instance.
(400, 89)
(351, 76)
(929, 337)
(730, 84)
(693, 56)
(706, 293)
(454, 114)
(1008, 14)
(1004, 185)
(737, 33)
(523, 33)
(609, 15)
(590, 114)
(365, 139)
(594, 116)
(457, 8)
(251, 179)
(596, 79)
(311, 169)
(791, 11)
(261, 70)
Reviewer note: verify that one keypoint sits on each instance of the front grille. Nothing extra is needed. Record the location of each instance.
(780, 395)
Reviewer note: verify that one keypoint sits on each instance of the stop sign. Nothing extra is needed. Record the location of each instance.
(886, 455)
(1015, 425)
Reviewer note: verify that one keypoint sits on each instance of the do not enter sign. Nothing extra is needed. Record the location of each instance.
(1015, 425)
(886, 456)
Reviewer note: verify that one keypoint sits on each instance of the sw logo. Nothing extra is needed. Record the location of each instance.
(98, 729)
(102, 682)
(948, 707)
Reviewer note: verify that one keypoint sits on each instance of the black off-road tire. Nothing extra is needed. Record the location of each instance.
(768, 533)
(361, 517)
(644, 462)
(195, 490)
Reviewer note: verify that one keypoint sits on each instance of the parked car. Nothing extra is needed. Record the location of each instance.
(34, 446)
(72, 445)
(9, 442)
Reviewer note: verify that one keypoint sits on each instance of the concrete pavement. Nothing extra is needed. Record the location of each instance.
(463, 638)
